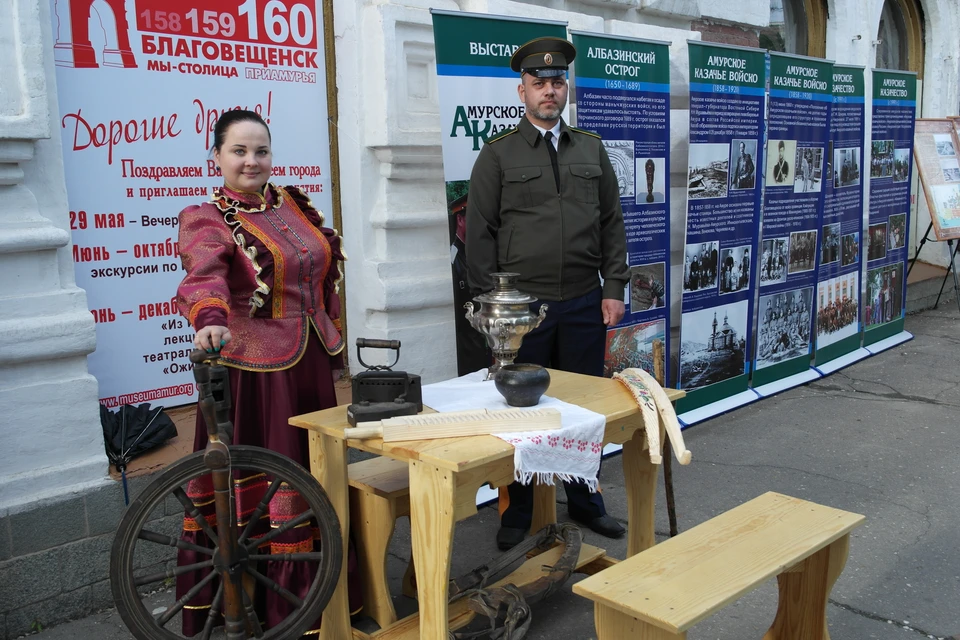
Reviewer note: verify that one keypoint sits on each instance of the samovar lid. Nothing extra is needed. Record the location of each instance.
(505, 291)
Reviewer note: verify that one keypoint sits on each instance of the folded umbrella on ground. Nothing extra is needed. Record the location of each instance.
(131, 431)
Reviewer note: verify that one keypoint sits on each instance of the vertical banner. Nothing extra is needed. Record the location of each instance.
(478, 99)
(623, 94)
(894, 112)
(723, 214)
(798, 136)
(141, 84)
(841, 235)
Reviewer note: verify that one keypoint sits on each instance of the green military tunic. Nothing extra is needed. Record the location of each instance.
(560, 241)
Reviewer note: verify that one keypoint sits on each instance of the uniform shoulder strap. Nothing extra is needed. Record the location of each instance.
(585, 132)
(501, 135)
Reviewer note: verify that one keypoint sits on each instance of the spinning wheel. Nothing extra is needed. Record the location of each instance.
(233, 567)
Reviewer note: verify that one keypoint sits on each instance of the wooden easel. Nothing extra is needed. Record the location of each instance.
(928, 159)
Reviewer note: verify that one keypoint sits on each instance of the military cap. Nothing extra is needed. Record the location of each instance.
(543, 57)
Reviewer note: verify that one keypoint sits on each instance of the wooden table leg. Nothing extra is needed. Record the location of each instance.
(640, 479)
(616, 625)
(432, 501)
(328, 463)
(802, 606)
(544, 506)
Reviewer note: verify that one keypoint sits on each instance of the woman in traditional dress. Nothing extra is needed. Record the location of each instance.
(261, 288)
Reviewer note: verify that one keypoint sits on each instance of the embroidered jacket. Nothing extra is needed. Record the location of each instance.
(265, 267)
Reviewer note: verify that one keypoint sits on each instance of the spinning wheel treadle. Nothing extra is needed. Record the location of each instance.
(136, 539)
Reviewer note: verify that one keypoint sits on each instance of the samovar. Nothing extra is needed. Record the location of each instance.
(504, 317)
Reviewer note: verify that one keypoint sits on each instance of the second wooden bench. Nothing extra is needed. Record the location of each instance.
(660, 593)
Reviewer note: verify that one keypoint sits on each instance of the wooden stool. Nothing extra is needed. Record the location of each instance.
(660, 593)
(379, 494)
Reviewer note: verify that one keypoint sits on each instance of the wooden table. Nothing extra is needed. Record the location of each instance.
(445, 475)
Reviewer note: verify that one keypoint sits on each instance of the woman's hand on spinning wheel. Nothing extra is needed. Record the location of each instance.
(211, 338)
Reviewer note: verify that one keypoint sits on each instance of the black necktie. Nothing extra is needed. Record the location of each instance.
(548, 137)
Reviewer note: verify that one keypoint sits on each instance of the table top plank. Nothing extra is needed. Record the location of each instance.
(682, 580)
(602, 395)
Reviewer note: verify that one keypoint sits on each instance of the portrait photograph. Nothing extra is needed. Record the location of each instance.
(803, 251)
(877, 237)
(621, 157)
(773, 261)
(712, 344)
(838, 308)
(780, 158)
(897, 231)
(809, 170)
(850, 252)
(700, 261)
(651, 176)
(846, 167)
(783, 330)
(707, 171)
(648, 288)
(830, 243)
(743, 167)
(734, 269)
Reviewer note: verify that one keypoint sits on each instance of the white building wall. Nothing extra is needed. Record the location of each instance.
(50, 436)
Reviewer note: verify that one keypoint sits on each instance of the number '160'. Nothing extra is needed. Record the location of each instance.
(299, 24)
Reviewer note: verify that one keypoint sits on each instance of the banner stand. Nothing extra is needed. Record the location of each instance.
(717, 408)
(845, 360)
(886, 343)
(778, 386)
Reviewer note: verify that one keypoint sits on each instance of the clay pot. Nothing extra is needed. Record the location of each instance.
(521, 385)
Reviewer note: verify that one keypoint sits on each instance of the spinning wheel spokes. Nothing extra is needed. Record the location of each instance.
(145, 554)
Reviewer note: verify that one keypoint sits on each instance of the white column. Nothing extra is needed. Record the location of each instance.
(50, 427)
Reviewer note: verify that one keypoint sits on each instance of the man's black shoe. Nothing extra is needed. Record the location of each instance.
(605, 525)
(509, 537)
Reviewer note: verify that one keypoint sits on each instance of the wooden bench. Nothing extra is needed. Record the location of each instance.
(660, 593)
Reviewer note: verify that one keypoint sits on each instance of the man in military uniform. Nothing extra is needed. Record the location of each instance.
(781, 170)
(544, 203)
(744, 176)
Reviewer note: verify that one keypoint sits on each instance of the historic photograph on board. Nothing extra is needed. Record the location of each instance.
(846, 167)
(773, 261)
(784, 329)
(712, 344)
(884, 301)
(647, 287)
(651, 176)
(897, 231)
(700, 266)
(621, 157)
(707, 172)
(938, 167)
(803, 251)
(881, 161)
(877, 245)
(632, 346)
(743, 156)
(830, 243)
(851, 249)
(734, 269)
(809, 170)
(780, 158)
(901, 165)
(837, 308)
